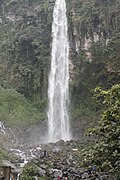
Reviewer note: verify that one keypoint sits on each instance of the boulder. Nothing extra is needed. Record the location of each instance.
(41, 172)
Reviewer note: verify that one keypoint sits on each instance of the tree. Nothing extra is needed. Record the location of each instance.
(106, 151)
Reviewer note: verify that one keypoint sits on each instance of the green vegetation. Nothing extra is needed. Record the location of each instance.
(29, 171)
(94, 25)
(25, 36)
(15, 110)
(24, 48)
(4, 155)
(105, 151)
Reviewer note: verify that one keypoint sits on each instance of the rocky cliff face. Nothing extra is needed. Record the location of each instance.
(94, 32)
(92, 22)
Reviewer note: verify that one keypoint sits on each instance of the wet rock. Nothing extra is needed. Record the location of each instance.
(41, 172)
(57, 173)
(35, 161)
(65, 174)
(16, 171)
(85, 176)
(50, 171)
(8, 164)
(35, 178)
(43, 166)
(62, 159)
(68, 162)
(20, 161)
(60, 143)
(70, 157)
(43, 153)
(104, 176)
(56, 150)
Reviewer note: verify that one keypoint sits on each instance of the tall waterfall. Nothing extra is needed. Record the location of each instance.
(58, 95)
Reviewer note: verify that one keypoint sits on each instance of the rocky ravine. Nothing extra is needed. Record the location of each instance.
(58, 161)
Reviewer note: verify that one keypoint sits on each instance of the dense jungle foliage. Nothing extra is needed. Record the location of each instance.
(105, 150)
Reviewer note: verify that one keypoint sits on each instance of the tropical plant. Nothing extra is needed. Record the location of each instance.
(105, 152)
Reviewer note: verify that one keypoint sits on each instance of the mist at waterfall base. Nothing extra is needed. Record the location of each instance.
(58, 87)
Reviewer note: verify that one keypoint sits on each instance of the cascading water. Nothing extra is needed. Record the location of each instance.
(58, 95)
(2, 128)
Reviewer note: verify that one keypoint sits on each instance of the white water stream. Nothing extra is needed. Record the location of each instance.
(2, 128)
(58, 89)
